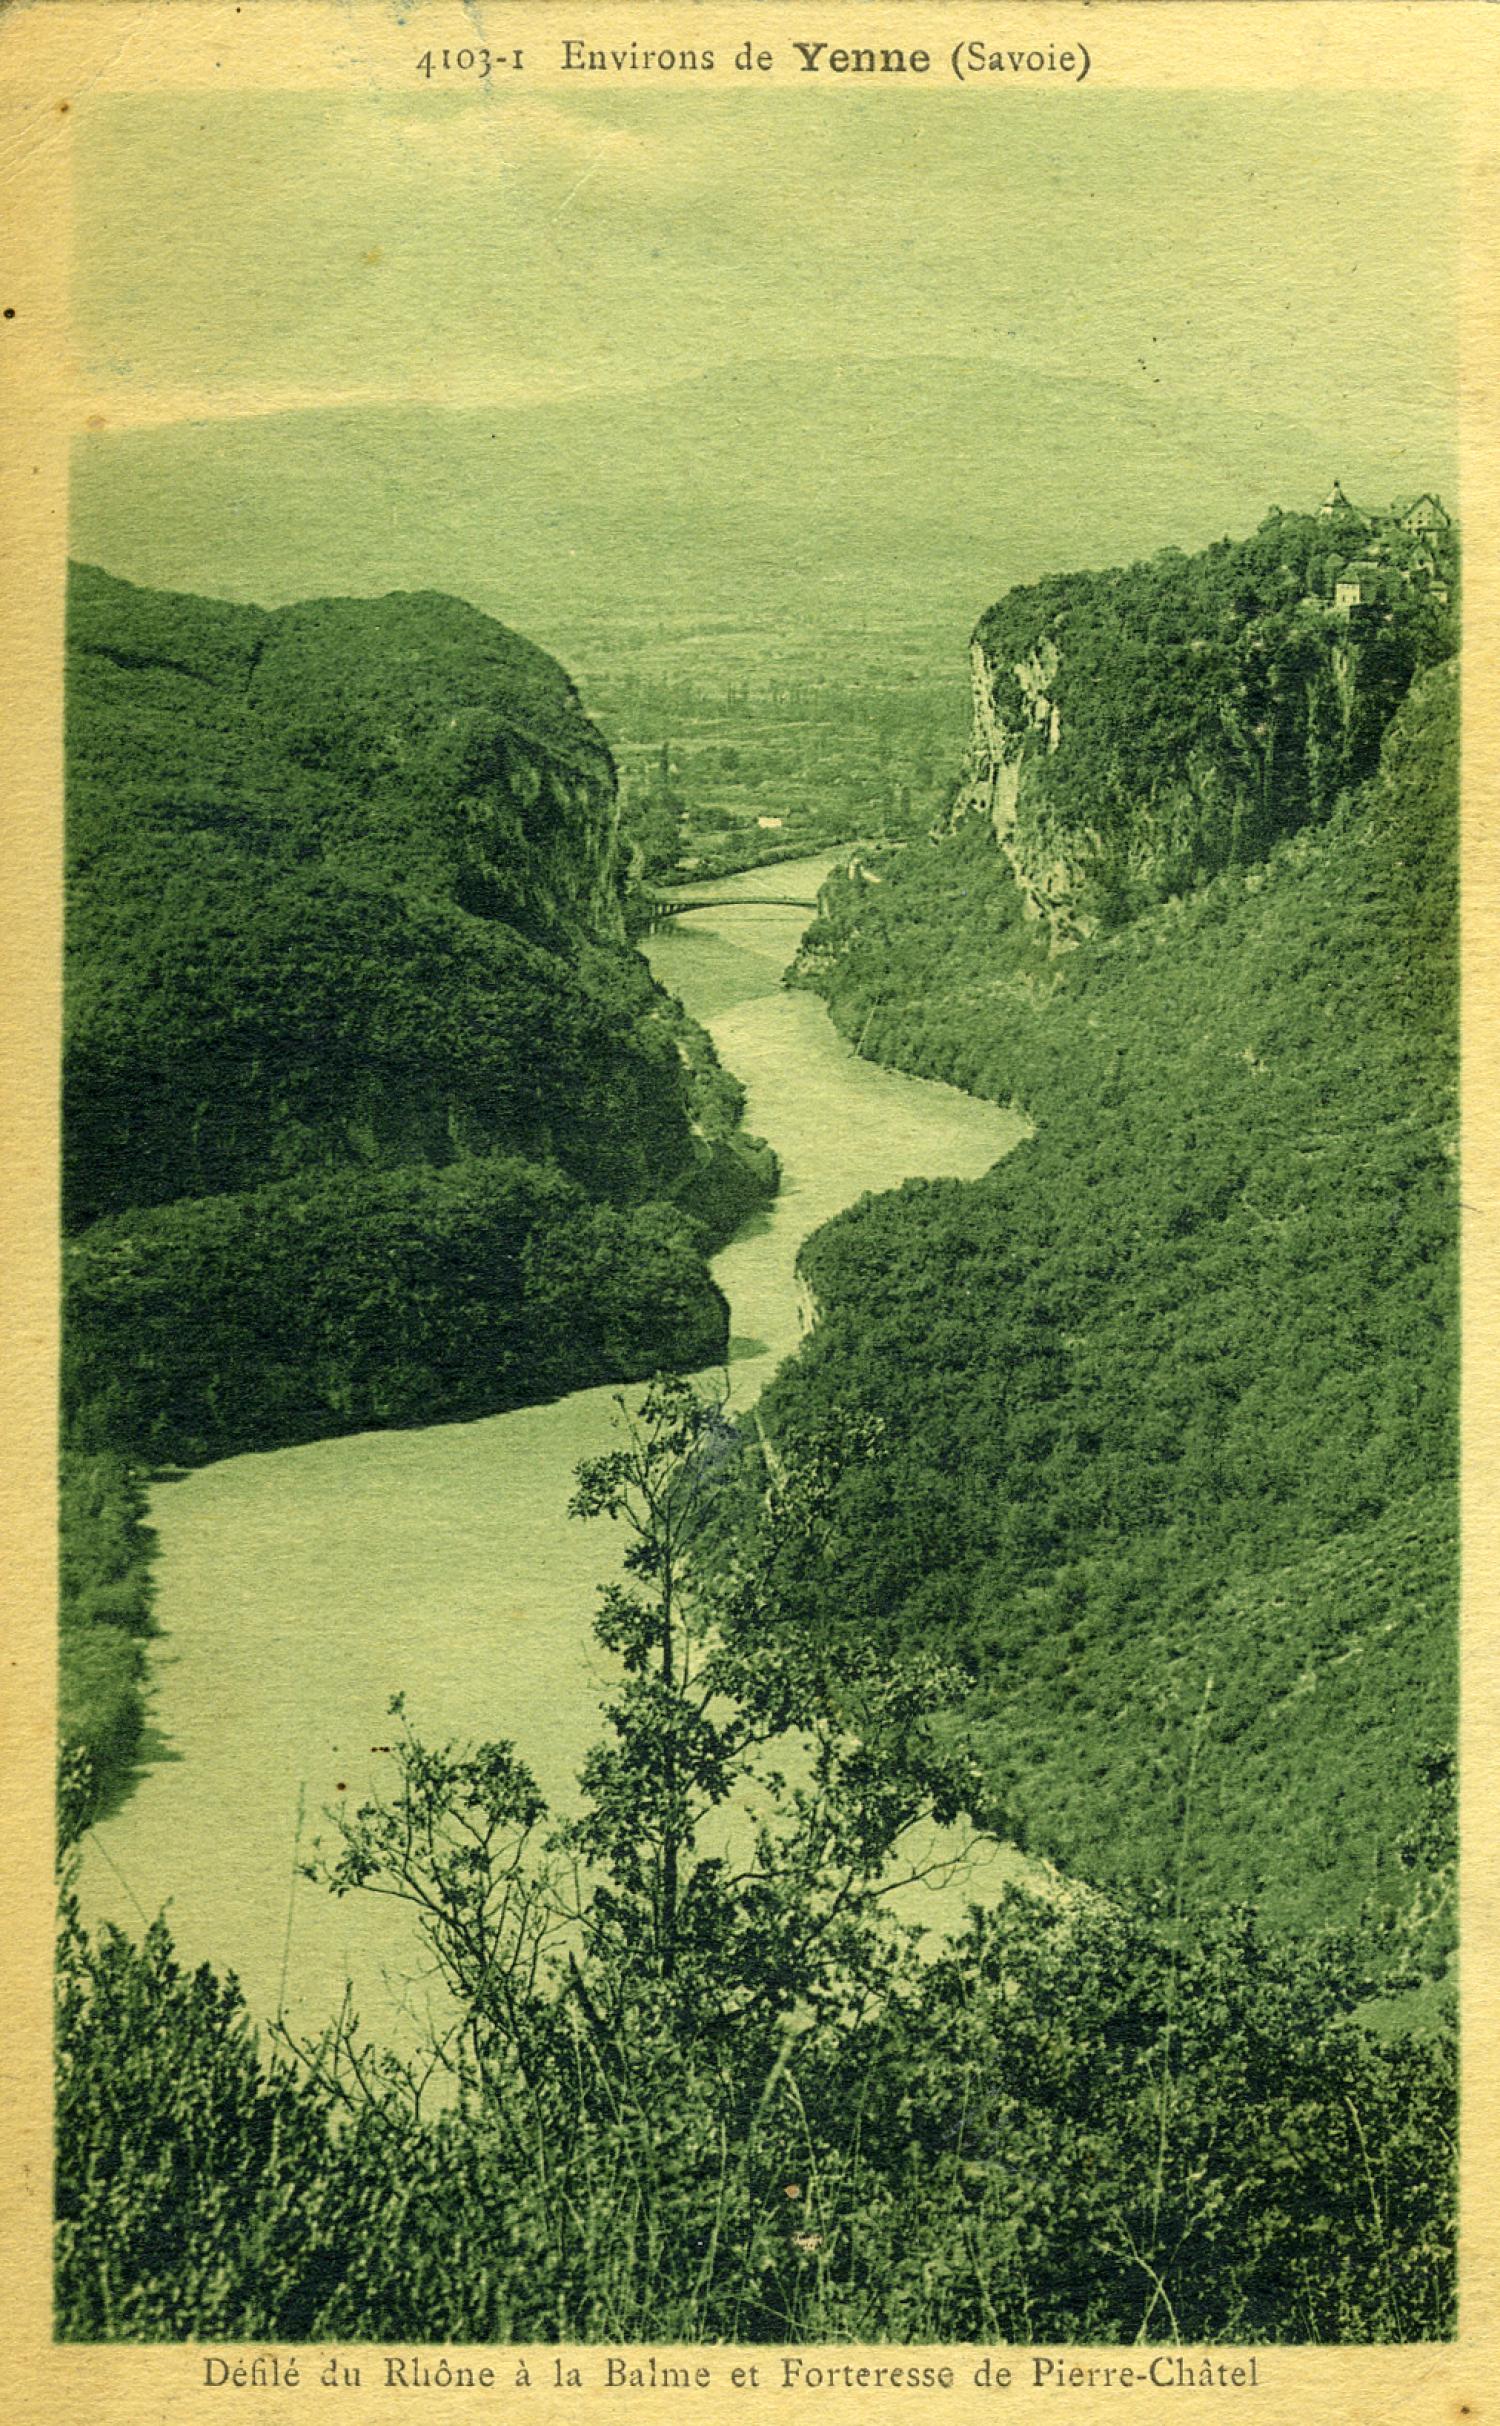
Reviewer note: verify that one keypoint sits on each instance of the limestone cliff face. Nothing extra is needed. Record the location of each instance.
(999, 752)
(1072, 858)
(1136, 731)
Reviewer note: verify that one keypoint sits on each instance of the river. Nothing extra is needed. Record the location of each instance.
(301, 1588)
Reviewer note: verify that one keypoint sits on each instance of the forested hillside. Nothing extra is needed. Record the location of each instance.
(371, 1116)
(1166, 1403)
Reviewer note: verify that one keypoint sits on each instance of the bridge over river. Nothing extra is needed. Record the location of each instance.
(674, 905)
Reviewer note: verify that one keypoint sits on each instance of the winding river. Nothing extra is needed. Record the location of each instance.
(299, 1589)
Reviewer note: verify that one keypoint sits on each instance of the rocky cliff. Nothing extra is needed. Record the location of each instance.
(1136, 731)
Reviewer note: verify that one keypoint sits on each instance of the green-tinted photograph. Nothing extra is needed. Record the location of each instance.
(759, 1411)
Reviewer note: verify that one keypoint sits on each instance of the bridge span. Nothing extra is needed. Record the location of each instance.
(672, 905)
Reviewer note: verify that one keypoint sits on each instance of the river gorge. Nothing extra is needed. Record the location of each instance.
(298, 1590)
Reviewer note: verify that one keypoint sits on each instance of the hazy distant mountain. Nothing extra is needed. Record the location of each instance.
(823, 492)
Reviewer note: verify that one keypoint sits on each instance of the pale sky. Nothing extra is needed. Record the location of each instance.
(1292, 255)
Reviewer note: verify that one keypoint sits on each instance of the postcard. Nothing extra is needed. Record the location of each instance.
(749, 1446)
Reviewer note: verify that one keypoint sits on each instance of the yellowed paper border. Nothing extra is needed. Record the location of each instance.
(50, 56)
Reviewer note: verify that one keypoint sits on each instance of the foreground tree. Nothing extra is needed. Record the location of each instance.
(742, 1817)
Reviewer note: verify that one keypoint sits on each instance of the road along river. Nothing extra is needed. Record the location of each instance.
(299, 1589)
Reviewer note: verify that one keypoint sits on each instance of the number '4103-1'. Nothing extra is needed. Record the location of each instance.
(466, 62)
